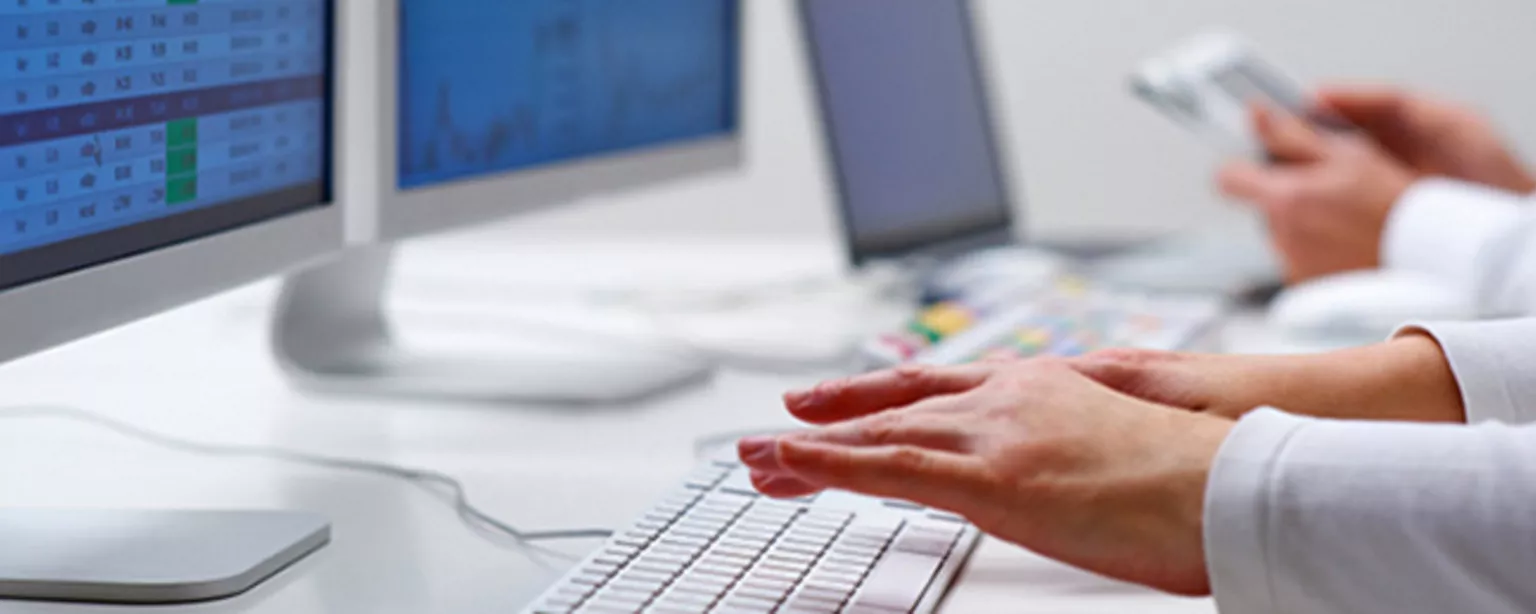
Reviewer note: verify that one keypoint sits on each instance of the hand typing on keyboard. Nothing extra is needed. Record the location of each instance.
(1031, 452)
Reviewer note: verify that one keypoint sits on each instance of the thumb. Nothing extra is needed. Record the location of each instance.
(1267, 188)
(1286, 137)
(1366, 106)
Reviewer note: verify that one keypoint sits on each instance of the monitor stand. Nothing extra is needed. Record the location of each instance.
(145, 557)
(331, 333)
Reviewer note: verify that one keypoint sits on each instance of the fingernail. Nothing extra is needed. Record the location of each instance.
(796, 398)
(779, 486)
(754, 449)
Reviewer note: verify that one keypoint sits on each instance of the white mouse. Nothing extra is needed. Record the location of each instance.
(1367, 305)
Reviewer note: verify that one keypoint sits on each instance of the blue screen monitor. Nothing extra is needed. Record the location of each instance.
(127, 126)
(489, 87)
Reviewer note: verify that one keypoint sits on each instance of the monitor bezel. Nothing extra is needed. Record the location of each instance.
(949, 242)
(421, 211)
(47, 313)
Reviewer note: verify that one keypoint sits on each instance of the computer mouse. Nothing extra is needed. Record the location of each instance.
(1367, 305)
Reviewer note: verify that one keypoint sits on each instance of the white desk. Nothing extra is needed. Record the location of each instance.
(204, 373)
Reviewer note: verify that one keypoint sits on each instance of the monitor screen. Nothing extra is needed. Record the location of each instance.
(132, 125)
(492, 86)
(907, 121)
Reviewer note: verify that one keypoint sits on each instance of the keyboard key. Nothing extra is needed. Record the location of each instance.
(674, 608)
(642, 576)
(633, 601)
(715, 519)
(809, 596)
(811, 607)
(759, 592)
(811, 533)
(926, 540)
(761, 574)
(875, 526)
(657, 566)
(705, 535)
(831, 595)
(903, 505)
(773, 504)
(898, 580)
(832, 582)
(725, 500)
(588, 579)
(700, 591)
(705, 478)
(687, 597)
(684, 541)
(749, 603)
(799, 548)
(795, 558)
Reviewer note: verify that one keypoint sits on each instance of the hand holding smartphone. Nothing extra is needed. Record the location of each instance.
(1210, 84)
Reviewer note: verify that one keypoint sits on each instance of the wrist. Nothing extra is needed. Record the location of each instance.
(1407, 379)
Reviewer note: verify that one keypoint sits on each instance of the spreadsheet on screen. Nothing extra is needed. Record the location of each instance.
(117, 113)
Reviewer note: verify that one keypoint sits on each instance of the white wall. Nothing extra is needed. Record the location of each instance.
(1089, 159)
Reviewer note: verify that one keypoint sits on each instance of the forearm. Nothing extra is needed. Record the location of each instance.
(1306, 515)
(1407, 379)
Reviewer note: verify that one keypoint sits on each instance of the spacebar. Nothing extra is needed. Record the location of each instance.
(898, 581)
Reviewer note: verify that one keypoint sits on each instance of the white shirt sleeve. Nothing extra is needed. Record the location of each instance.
(1495, 366)
(1481, 239)
(1322, 517)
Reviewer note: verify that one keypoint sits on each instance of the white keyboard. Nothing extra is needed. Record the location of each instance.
(715, 545)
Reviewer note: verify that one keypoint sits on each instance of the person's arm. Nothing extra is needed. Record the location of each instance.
(1493, 363)
(1479, 238)
(1309, 515)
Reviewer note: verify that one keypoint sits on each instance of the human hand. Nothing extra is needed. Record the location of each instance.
(1326, 199)
(1407, 379)
(1031, 452)
(1432, 137)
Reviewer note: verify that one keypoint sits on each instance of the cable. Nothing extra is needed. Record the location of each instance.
(434, 482)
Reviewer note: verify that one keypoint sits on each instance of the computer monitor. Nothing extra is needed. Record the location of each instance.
(487, 109)
(908, 127)
(153, 153)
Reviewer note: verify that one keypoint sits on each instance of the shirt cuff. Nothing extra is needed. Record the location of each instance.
(1480, 354)
(1237, 523)
(1439, 228)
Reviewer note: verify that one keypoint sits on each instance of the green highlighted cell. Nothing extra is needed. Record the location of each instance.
(179, 191)
(181, 161)
(181, 132)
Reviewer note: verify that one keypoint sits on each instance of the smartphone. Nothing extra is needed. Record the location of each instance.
(1209, 85)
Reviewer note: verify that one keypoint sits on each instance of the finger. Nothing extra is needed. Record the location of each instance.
(1286, 137)
(917, 426)
(781, 486)
(846, 399)
(1368, 105)
(936, 479)
(1268, 188)
(1120, 369)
